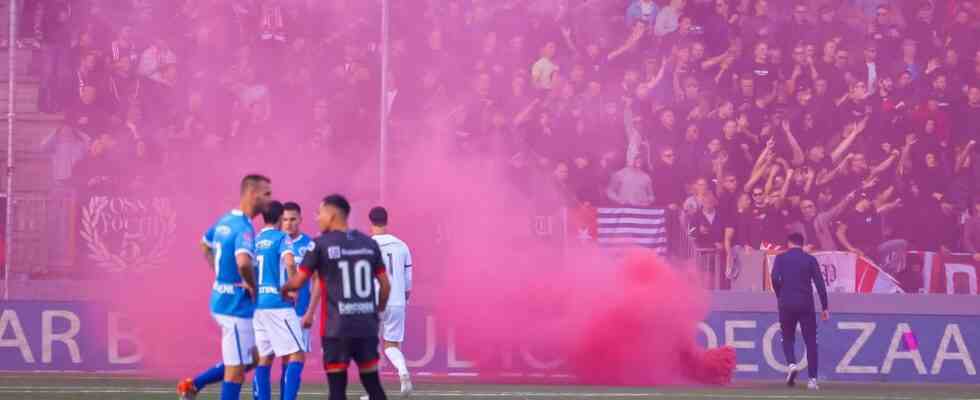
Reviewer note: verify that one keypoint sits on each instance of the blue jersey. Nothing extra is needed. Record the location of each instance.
(300, 245)
(231, 235)
(270, 247)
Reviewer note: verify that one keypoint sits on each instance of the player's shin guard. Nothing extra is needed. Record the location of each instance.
(262, 382)
(213, 375)
(338, 385)
(372, 385)
(294, 373)
(230, 390)
(397, 360)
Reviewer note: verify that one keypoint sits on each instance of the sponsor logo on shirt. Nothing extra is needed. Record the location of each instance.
(268, 290)
(223, 288)
(361, 308)
(357, 252)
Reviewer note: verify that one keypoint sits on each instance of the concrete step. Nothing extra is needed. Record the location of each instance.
(23, 61)
(34, 116)
(22, 106)
(21, 80)
(22, 89)
(27, 135)
(31, 174)
(25, 95)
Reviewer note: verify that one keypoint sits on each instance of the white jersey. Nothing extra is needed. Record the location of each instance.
(398, 260)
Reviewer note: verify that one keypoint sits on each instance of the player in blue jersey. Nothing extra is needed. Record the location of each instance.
(307, 297)
(229, 248)
(277, 327)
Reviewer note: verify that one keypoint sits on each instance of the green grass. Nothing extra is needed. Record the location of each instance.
(82, 387)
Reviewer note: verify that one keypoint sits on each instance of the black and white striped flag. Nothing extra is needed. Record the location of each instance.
(633, 227)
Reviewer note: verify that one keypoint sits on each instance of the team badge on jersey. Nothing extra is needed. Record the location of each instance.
(333, 252)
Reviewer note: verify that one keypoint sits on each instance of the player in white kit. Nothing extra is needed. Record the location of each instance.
(398, 260)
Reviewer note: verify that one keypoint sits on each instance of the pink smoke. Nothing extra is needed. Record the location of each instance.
(616, 322)
(628, 322)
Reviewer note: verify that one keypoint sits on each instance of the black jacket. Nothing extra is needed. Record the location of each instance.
(792, 274)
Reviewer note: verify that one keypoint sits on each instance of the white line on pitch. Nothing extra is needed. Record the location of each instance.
(63, 390)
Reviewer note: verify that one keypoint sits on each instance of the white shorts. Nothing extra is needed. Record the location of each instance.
(306, 340)
(278, 331)
(393, 324)
(237, 339)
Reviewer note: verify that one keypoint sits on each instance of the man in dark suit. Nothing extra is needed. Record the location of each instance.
(794, 274)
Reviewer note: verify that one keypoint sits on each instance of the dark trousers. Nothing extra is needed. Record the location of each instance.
(807, 319)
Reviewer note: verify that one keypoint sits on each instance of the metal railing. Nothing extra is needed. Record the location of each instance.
(710, 266)
(30, 245)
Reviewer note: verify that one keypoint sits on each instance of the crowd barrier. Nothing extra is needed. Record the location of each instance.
(905, 339)
(844, 272)
(108, 232)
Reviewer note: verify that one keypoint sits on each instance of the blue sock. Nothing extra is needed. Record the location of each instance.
(282, 383)
(263, 382)
(255, 385)
(230, 390)
(294, 373)
(213, 375)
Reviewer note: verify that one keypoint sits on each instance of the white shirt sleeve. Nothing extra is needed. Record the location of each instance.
(408, 269)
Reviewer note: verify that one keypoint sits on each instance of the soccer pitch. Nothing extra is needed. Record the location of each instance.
(80, 387)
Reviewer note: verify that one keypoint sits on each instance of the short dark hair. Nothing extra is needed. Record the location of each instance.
(378, 216)
(251, 180)
(795, 238)
(339, 202)
(272, 213)
(292, 206)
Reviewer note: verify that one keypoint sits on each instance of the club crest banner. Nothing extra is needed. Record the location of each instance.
(117, 233)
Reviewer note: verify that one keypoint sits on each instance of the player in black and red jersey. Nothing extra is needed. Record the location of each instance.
(347, 263)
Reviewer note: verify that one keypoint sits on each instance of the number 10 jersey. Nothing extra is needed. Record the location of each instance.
(347, 263)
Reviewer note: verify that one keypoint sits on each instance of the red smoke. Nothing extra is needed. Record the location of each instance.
(644, 334)
(615, 322)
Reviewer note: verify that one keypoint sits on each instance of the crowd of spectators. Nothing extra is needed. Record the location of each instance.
(853, 122)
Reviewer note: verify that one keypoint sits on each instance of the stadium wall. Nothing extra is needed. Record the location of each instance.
(893, 338)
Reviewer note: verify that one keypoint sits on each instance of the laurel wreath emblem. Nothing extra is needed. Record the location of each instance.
(159, 238)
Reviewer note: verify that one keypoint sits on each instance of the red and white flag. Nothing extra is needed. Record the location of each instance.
(956, 273)
(846, 272)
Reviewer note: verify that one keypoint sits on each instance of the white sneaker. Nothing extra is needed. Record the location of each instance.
(406, 385)
(791, 375)
(812, 385)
